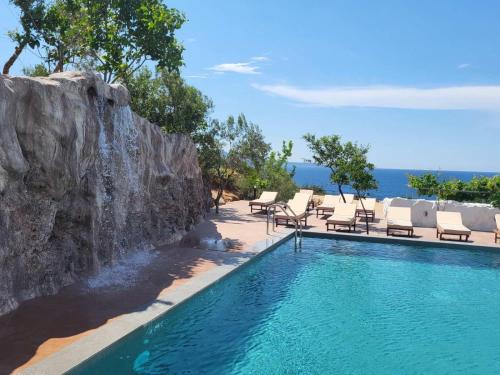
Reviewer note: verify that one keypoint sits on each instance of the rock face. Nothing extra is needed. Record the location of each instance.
(83, 181)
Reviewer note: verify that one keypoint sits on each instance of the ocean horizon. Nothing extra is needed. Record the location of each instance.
(392, 182)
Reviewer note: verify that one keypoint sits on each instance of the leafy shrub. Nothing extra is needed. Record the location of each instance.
(479, 189)
(318, 190)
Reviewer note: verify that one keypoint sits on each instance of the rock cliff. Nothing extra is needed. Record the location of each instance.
(83, 181)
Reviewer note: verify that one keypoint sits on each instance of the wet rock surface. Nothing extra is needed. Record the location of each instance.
(83, 182)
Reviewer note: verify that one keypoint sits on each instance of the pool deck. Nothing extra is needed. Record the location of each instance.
(49, 335)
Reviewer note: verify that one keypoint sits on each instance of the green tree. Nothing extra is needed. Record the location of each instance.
(114, 37)
(220, 157)
(168, 101)
(276, 175)
(359, 172)
(39, 70)
(425, 185)
(32, 14)
(479, 189)
(253, 147)
(63, 34)
(121, 35)
(328, 151)
(235, 152)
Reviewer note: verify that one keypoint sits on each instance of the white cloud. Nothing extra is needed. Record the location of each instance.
(242, 68)
(201, 76)
(446, 98)
(260, 58)
(463, 66)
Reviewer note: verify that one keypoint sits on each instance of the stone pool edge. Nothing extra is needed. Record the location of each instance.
(75, 354)
(403, 240)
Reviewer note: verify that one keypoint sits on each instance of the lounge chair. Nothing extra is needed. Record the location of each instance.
(399, 218)
(266, 199)
(310, 193)
(296, 210)
(344, 215)
(497, 231)
(450, 223)
(328, 204)
(369, 204)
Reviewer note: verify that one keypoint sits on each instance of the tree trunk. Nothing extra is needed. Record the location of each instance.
(364, 210)
(341, 193)
(220, 190)
(59, 67)
(13, 58)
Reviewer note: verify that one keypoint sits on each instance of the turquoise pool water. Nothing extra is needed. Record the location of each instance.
(336, 306)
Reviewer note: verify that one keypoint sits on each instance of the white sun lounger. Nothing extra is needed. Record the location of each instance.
(399, 218)
(369, 204)
(296, 210)
(266, 199)
(310, 193)
(328, 204)
(344, 215)
(450, 223)
(497, 231)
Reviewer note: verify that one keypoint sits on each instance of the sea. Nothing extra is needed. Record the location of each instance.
(391, 182)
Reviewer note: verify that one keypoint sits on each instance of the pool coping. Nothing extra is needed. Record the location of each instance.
(73, 355)
(402, 240)
(95, 342)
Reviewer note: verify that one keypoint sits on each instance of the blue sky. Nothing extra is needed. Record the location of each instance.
(418, 81)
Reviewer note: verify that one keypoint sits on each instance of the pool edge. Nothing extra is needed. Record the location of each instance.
(81, 351)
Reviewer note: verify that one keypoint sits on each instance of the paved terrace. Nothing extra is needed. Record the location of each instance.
(47, 329)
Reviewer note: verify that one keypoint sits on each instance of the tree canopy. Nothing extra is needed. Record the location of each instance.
(31, 20)
(348, 162)
(114, 37)
(167, 100)
(479, 189)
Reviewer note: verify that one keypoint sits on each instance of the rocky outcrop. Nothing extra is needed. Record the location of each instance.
(83, 181)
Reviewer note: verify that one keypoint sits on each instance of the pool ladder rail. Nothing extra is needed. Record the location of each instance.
(285, 208)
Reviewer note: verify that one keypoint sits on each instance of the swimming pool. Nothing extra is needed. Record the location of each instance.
(336, 306)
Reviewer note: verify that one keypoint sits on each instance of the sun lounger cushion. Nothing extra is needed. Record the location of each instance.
(451, 223)
(266, 198)
(399, 218)
(297, 207)
(369, 204)
(329, 202)
(345, 213)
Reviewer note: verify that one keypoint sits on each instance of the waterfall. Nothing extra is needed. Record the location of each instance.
(118, 187)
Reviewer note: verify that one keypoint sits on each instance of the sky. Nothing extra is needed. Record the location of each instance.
(419, 81)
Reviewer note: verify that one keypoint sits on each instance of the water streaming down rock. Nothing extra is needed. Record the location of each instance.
(83, 182)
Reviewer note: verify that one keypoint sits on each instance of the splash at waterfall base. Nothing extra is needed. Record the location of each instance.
(84, 182)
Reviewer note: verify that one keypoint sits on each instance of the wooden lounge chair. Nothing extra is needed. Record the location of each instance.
(310, 205)
(399, 218)
(369, 204)
(328, 204)
(450, 223)
(344, 215)
(266, 199)
(296, 210)
(497, 231)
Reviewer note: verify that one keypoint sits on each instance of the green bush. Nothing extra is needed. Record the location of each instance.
(318, 190)
(479, 189)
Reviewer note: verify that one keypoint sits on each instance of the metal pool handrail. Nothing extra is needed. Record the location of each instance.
(298, 222)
